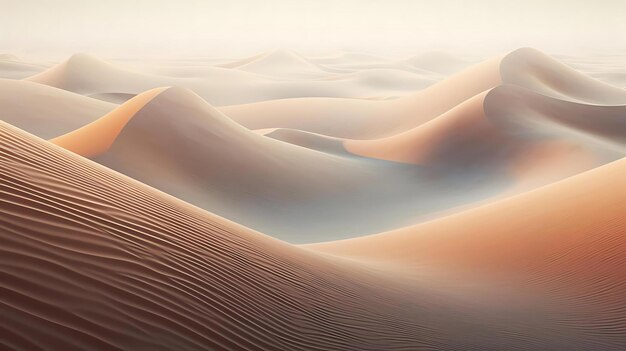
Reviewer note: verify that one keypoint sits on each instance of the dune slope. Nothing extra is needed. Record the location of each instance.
(355, 119)
(94, 260)
(510, 130)
(173, 140)
(46, 111)
(566, 240)
(91, 76)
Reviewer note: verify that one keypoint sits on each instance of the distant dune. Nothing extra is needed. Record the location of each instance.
(259, 80)
(338, 202)
(282, 63)
(503, 128)
(12, 67)
(347, 118)
(46, 111)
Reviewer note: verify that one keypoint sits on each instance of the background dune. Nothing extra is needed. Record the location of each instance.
(46, 111)
(503, 177)
(89, 75)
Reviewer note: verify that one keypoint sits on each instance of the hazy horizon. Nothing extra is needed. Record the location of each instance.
(56, 29)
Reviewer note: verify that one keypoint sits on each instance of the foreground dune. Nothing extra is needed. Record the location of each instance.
(567, 240)
(94, 260)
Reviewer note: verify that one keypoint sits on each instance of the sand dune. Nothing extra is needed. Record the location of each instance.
(45, 111)
(498, 143)
(175, 141)
(13, 67)
(96, 138)
(504, 127)
(92, 259)
(566, 240)
(360, 119)
(179, 144)
(356, 119)
(89, 75)
(283, 63)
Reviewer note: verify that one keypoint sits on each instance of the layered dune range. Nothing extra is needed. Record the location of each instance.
(93, 259)
(500, 142)
(88, 75)
(507, 254)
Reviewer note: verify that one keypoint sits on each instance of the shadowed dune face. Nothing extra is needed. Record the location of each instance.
(349, 118)
(173, 140)
(88, 75)
(46, 111)
(500, 142)
(566, 240)
(506, 181)
(505, 126)
(97, 137)
(92, 259)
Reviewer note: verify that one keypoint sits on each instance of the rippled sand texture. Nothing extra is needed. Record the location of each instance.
(339, 202)
(92, 259)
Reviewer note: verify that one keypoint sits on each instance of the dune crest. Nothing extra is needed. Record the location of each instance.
(97, 137)
(503, 125)
(47, 111)
(95, 259)
(346, 118)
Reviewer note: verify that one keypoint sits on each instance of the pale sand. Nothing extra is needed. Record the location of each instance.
(498, 143)
(569, 235)
(97, 137)
(356, 119)
(46, 111)
(88, 75)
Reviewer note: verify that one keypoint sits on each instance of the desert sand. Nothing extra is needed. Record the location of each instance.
(93, 259)
(284, 201)
(46, 111)
(500, 142)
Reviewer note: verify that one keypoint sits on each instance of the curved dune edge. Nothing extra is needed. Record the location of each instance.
(567, 239)
(47, 111)
(97, 137)
(511, 120)
(525, 67)
(413, 146)
(95, 260)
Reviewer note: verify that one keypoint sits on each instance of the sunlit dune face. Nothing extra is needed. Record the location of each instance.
(313, 175)
(96, 138)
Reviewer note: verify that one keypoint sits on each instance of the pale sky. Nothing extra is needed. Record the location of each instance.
(154, 28)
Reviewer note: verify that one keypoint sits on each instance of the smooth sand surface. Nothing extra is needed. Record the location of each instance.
(46, 111)
(504, 125)
(355, 119)
(97, 137)
(501, 142)
(89, 75)
(567, 239)
(359, 119)
(95, 260)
